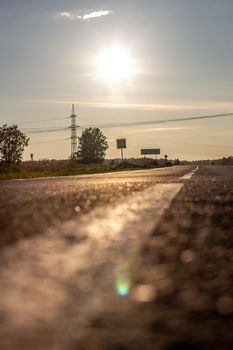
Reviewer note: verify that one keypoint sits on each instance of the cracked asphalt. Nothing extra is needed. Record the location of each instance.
(128, 260)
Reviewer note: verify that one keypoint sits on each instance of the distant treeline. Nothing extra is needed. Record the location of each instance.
(221, 161)
(57, 165)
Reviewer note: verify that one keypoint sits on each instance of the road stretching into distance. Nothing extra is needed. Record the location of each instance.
(118, 261)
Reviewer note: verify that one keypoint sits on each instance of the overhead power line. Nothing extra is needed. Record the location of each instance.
(160, 121)
(45, 128)
(41, 120)
(43, 131)
(148, 122)
(57, 140)
(177, 142)
(73, 127)
(110, 125)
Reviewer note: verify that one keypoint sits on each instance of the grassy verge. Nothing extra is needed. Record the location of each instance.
(62, 172)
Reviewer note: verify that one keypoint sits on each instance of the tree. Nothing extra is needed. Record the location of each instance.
(92, 146)
(12, 144)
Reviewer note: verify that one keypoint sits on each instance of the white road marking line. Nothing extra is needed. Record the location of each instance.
(18, 179)
(38, 273)
(87, 176)
(189, 175)
(36, 178)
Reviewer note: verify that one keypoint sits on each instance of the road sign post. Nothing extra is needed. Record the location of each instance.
(121, 144)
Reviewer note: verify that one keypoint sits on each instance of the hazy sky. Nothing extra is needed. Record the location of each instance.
(182, 51)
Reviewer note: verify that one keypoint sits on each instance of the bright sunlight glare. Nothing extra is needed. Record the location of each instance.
(115, 64)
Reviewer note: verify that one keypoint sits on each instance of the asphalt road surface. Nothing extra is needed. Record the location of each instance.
(121, 261)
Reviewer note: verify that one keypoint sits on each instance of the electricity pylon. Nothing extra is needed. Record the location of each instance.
(73, 137)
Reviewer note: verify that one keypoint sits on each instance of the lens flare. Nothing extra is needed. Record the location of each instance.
(122, 280)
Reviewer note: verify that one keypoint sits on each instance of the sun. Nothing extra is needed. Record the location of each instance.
(115, 65)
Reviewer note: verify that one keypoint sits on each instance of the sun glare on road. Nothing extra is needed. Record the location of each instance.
(115, 64)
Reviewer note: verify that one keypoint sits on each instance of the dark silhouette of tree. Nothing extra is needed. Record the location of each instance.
(12, 145)
(92, 146)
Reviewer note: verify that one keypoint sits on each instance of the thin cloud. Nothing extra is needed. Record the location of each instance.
(96, 14)
(139, 131)
(64, 14)
(73, 16)
(169, 106)
(67, 15)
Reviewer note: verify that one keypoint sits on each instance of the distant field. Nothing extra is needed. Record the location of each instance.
(62, 172)
(46, 168)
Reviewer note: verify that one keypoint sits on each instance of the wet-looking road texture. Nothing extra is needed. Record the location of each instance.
(118, 261)
(29, 207)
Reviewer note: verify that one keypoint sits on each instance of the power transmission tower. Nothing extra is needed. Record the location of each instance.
(73, 137)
